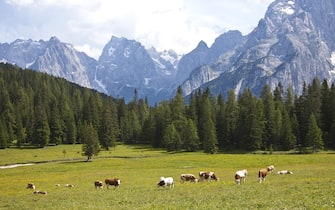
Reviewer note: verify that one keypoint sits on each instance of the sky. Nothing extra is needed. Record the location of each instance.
(89, 24)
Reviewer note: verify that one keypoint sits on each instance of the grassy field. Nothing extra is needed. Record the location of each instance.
(312, 186)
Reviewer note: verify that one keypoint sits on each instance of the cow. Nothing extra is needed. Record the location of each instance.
(284, 172)
(113, 182)
(31, 186)
(188, 177)
(262, 174)
(69, 185)
(241, 175)
(271, 168)
(166, 182)
(98, 184)
(40, 192)
(209, 176)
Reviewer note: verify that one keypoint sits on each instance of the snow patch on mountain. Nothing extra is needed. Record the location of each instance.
(332, 60)
(238, 87)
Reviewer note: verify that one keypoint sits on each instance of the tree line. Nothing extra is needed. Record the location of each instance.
(40, 110)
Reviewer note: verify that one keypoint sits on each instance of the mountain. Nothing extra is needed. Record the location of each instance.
(52, 57)
(292, 44)
(194, 68)
(125, 65)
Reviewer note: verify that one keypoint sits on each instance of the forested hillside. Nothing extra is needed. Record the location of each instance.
(40, 110)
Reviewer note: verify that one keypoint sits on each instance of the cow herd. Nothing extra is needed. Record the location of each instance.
(240, 177)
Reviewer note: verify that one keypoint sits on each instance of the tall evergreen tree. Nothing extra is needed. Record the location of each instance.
(269, 114)
(207, 130)
(249, 125)
(221, 122)
(191, 138)
(171, 139)
(106, 134)
(41, 129)
(314, 135)
(56, 131)
(288, 139)
(3, 135)
(90, 141)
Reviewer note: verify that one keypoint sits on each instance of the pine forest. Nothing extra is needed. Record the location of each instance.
(38, 110)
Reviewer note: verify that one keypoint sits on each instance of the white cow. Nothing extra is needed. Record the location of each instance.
(241, 176)
(166, 182)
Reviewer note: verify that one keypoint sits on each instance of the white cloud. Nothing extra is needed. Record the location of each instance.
(89, 25)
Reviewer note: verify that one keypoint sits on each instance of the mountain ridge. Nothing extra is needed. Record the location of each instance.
(292, 44)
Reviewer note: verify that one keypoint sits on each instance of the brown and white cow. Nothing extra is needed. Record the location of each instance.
(207, 175)
(241, 176)
(113, 182)
(262, 174)
(31, 186)
(284, 172)
(188, 178)
(98, 184)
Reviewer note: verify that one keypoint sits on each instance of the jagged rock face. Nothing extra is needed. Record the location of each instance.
(197, 57)
(52, 57)
(62, 60)
(21, 52)
(124, 66)
(291, 44)
(195, 65)
(198, 77)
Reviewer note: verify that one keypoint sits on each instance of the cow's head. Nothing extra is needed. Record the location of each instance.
(161, 183)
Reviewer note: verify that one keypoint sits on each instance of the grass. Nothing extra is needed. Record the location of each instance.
(311, 186)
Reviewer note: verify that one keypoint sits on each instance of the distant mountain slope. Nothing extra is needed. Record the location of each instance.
(292, 44)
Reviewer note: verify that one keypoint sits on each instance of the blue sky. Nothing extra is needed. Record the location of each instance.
(89, 25)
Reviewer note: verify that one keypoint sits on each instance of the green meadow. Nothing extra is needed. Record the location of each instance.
(312, 186)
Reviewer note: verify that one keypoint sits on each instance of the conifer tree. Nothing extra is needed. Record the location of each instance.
(171, 139)
(106, 133)
(207, 130)
(90, 141)
(191, 140)
(3, 135)
(221, 122)
(269, 114)
(56, 131)
(314, 135)
(41, 129)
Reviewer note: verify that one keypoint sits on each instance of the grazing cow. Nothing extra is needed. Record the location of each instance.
(241, 175)
(284, 172)
(40, 192)
(166, 182)
(209, 176)
(98, 184)
(113, 182)
(262, 174)
(31, 186)
(57, 185)
(188, 177)
(271, 168)
(69, 185)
